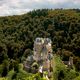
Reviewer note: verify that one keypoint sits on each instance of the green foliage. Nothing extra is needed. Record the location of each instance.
(70, 75)
(1, 69)
(10, 74)
(17, 34)
(27, 53)
(3, 78)
(23, 75)
(62, 72)
(60, 68)
(77, 78)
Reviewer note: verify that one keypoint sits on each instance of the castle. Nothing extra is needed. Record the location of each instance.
(43, 52)
(42, 55)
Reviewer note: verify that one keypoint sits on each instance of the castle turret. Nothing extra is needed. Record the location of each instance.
(37, 48)
(43, 52)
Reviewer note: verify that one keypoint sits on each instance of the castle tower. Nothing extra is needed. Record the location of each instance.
(43, 51)
(37, 48)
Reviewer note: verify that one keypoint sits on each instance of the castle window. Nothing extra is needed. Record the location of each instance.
(47, 40)
(38, 40)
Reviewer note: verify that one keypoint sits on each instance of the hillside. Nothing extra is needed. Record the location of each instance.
(17, 34)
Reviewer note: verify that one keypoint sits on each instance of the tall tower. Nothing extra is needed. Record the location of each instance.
(43, 52)
(47, 53)
(37, 48)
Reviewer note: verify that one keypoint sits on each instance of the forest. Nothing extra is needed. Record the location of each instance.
(18, 32)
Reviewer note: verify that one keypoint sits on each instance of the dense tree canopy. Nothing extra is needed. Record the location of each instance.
(17, 34)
